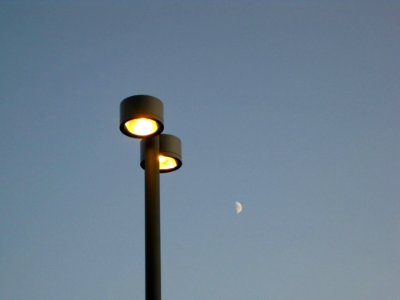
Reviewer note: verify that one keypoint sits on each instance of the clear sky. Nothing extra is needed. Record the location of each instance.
(290, 107)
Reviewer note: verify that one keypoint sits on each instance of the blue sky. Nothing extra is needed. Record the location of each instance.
(290, 107)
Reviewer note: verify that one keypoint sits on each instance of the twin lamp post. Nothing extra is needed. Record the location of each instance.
(142, 117)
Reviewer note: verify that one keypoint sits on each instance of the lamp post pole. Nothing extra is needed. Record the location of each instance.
(152, 219)
(141, 116)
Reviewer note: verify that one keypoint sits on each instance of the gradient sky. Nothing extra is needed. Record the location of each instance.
(290, 107)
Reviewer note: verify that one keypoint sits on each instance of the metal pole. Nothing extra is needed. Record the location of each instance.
(152, 219)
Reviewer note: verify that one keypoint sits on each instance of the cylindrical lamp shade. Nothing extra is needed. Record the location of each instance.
(170, 157)
(141, 116)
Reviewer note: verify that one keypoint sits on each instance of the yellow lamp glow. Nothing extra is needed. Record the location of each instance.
(141, 126)
(167, 163)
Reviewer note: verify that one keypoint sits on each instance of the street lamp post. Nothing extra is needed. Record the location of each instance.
(141, 116)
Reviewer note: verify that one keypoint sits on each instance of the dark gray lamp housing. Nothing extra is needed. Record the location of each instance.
(170, 157)
(141, 116)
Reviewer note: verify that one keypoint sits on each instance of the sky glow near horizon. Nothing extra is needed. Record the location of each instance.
(291, 108)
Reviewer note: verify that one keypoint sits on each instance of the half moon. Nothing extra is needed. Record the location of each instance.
(238, 207)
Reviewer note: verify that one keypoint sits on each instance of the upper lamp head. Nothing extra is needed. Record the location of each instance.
(141, 116)
(170, 153)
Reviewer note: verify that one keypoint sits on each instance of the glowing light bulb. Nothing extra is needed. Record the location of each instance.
(141, 126)
(167, 163)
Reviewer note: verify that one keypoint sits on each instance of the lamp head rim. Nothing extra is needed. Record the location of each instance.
(124, 130)
(178, 165)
